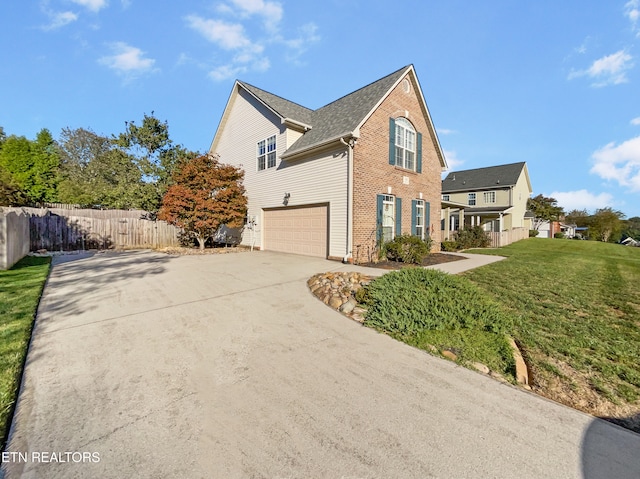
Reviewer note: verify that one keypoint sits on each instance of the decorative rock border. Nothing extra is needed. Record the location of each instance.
(338, 290)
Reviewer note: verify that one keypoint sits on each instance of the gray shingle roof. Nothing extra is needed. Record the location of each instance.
(284, 108)
(338, 118)
(482, 178)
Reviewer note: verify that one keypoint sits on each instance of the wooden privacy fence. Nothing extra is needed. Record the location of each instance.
(504, 238)
(68, 233)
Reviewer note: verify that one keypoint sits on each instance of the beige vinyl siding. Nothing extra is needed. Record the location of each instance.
(320, 179)
(292, 136)
(520, 196)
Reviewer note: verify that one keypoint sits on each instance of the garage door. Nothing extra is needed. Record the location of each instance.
(301, 230)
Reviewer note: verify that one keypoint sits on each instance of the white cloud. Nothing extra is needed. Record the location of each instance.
(225, 72)
(127, 61)
(619, 163)
(239, 35)
(453, 162)
(445, 131)
(271, 12)
(307, 35)
(229, 36)
(608, 70)
(636, 121)
(59, 19)
(632, 10)
(93, 5)
(581, 200)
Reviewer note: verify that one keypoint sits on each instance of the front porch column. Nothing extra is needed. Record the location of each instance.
(461, 219)
(501, 223)
(447, 219)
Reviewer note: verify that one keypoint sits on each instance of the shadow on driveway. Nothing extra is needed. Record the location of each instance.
(609, 452)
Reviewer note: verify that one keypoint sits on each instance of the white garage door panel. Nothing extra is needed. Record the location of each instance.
(297, 230)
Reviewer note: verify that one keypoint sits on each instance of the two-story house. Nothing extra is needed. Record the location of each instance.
(494, 198)
(336, 181)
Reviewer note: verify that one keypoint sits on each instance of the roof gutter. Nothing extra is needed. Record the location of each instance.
(297, 125)
(318, 146)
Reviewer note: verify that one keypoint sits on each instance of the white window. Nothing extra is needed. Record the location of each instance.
(472, 199)
(445, 197)
(489, 197)
(405, 144)
(388, 217)
(267, 153)
(419, 219)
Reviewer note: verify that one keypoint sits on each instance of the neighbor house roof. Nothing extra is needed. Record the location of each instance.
(341, 118)
(502, 176)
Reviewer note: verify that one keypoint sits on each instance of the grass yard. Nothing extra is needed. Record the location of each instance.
(20, 290)
(576, 307)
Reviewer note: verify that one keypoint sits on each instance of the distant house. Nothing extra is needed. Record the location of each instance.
(337, 181)
(630, 242)
(548, 229)
(494, 198)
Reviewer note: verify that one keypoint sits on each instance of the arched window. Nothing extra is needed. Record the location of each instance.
(405, 144)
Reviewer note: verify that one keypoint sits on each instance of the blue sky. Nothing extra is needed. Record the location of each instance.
(555, 84)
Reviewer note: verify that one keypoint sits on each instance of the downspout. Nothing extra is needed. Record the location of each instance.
(349, 245)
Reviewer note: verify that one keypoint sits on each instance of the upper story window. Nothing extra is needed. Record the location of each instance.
(472, 199)
(489, 197)
(405, 144)
(267, 153)
(445, 197)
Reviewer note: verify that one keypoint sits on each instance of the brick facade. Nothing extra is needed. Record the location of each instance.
(373, 175)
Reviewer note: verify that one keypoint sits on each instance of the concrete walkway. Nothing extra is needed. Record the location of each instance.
(145, 365)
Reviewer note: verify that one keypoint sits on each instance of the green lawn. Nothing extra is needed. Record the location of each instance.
(576, 306)
(20, 290)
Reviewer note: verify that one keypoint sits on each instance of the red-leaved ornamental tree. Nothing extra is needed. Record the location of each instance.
(205, 195)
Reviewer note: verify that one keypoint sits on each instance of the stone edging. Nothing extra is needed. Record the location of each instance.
(338, 291)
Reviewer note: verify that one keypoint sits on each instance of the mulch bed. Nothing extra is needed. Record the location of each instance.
(431, 259)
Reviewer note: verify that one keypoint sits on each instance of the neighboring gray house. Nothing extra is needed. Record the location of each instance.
(494, 197)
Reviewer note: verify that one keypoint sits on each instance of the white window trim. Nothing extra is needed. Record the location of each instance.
(491, 195)
(268, 157)
(471, 197)
(391, 201)
(420, 208)
(406, 133)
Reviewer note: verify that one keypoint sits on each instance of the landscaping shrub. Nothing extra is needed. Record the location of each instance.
(448, 246)
(414, 299)
(533, 233)
(558, 235)
(407, 249)
(474, 237)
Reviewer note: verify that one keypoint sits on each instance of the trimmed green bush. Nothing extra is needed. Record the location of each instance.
(533, 233)
(448, 246)
(407, 249)
(414, 299)
(474, 237)
(558, 235)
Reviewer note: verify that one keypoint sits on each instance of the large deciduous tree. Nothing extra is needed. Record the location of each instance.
(32, 165)
(606, 224)
(205, 195)
(152, 150)
(544, 209)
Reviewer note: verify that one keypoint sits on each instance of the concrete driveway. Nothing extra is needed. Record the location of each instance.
(225, 366)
